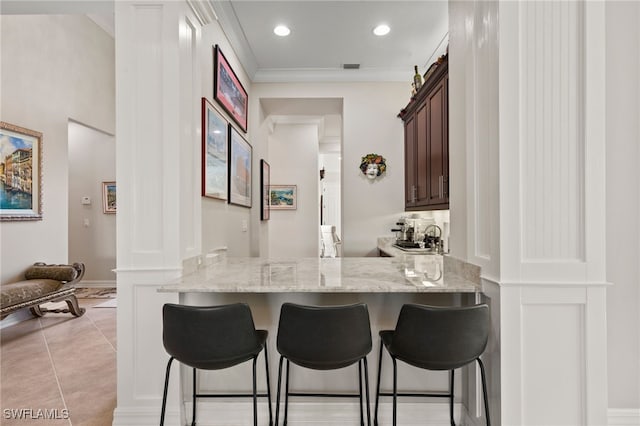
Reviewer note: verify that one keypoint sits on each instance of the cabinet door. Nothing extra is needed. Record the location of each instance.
(410, 162)
(422, 155)
(437, 146)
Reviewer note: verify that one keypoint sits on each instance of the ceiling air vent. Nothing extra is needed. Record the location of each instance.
(351, 66)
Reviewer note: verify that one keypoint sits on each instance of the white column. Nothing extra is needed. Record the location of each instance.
(552, 211)
(527, 87)
(158, 224)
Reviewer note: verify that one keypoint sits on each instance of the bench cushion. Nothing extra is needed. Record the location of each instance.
(21, 291)
(51, 272)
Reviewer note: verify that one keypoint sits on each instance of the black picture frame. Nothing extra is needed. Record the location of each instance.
(228, 91)
(215, 152)
(265, 177)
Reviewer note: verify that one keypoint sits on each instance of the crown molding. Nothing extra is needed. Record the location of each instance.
(329, 75)
(233, 30)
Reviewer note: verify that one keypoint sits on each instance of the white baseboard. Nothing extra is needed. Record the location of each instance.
(236, 413)
(97, 284)
(144, 416)
(308, 413)
(623, 416)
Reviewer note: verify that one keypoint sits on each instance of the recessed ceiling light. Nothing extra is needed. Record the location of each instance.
(381, 30)
(282, 30)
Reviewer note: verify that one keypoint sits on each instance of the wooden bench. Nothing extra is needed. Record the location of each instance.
(43, 283)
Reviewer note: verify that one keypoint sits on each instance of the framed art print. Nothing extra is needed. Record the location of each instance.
(109, 202)
(214, 152)
(283, 197)
(265, 172)
(20, 173)
(239, 169)
(228, 91)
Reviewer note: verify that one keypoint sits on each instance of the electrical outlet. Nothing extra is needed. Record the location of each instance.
(245, 227)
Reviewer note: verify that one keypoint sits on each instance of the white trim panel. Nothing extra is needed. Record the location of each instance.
(623, 416)
(552, 341)
(552, 122)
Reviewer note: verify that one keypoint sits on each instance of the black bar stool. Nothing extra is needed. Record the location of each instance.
(213, 338)
(324, 338)
(436, 338)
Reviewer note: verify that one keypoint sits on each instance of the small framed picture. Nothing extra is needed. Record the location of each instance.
(20, 173)
(215, 143)
(283, 197)
(264, 185)
(239, 169)
(109, 197)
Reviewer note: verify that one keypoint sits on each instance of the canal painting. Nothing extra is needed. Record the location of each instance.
(20, 173)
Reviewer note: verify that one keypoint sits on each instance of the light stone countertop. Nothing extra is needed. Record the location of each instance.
(400, 274)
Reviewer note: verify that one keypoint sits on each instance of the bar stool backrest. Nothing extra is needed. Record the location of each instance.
(209, 337)
(440, 338)
(324, 337)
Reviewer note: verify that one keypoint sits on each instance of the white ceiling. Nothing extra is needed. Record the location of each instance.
(325, 35)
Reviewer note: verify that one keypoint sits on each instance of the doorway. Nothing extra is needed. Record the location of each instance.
(92, 224)
(305, 136)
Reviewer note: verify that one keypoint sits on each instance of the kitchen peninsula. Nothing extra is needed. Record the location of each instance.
(400, 274)
(383, 283)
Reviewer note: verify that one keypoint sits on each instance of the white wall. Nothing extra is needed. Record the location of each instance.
(370, 125)
(623, 204)
(54, 68)
(293, 157)
(92, 233)
(223, 224)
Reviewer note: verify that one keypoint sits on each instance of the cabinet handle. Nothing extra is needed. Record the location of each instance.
(413, 193)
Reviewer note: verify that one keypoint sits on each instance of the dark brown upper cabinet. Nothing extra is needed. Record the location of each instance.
(426, 143)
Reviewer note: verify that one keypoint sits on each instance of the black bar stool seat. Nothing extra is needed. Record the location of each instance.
(436, 338)
(324, 338)
(213, 338)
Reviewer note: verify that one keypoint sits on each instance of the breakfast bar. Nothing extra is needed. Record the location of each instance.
(383, 283)
(400, 274)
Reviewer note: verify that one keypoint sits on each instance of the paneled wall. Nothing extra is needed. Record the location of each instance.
(527, 83)
(552, 279)
(157, 152)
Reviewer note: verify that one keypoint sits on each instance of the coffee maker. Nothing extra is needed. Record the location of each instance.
(417, 233)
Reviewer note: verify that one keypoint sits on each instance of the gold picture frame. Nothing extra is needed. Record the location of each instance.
(20, 173)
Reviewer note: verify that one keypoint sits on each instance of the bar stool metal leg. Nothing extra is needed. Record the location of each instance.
(453, 423)
(266, 366)
(164, 395)
(255, 398)
(484, 391)
(286, 394)
(395, 389)
(360, 392)
(193, 418)
(375, 418)
(278, 391)
(366, 388)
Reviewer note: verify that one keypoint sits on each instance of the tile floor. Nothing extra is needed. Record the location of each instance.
(60, 370)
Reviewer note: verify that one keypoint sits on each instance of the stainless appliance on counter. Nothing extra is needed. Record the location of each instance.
(418, 234)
